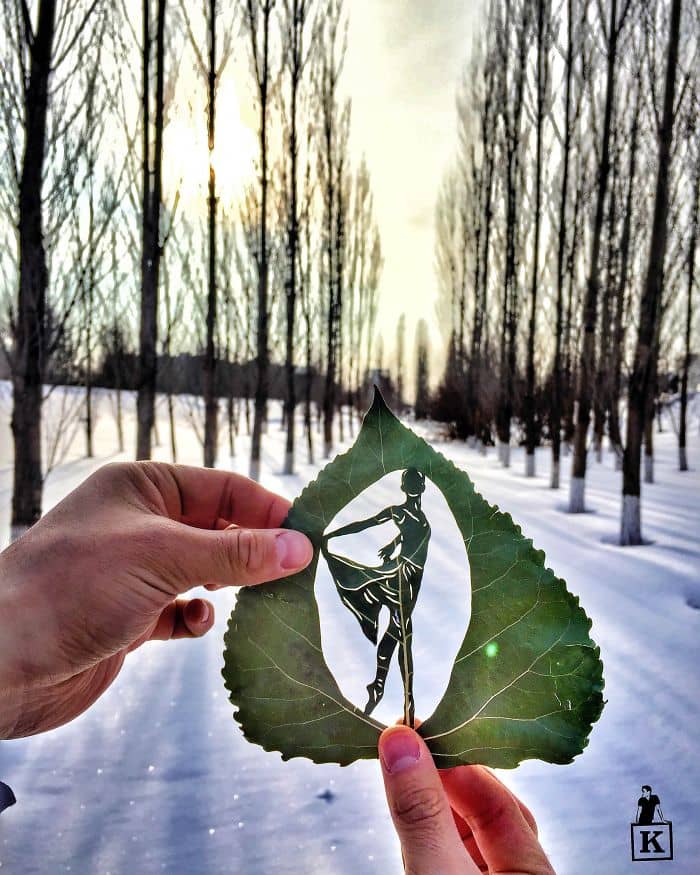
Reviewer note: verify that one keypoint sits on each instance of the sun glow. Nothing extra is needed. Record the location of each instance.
(186, 154)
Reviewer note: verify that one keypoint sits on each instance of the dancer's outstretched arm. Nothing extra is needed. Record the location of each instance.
(352, 528)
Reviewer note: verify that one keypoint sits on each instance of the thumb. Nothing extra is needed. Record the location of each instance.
(419, 807)
(233, 557)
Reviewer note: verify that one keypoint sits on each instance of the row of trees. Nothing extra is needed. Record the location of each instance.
(567, 229)
(100, 259)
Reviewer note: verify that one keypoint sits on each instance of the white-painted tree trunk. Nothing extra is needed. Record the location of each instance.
(529, 464)
(565, 449)
(577, 495)
(482, 448)
(682, 459)
(631, 528)
(554, 476)
(648, 468)
(254, 472)
(288, 463)
(505, 458)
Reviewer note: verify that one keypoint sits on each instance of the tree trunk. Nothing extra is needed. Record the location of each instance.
(586, 373)
(173, 429)
(555, 414)
(120, 420)
(151, 252)
(682, 431)
(307, 422)
(512, 111)
(231, 427)
(329, 388)
(570, 373)
(262, 386)
(29, 352)
(89, 424)
(649, 450)
(295, 35)
(529, 400)
(211, 400)
(621, 297)
(640, 383)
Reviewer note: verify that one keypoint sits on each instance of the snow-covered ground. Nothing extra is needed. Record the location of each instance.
(157, 776)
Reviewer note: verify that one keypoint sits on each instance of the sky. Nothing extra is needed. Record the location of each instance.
(404, 61)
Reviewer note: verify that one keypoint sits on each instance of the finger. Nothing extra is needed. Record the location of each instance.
(183, 557)
(465, 831)
(469, 842)
(182, 618)
(205, 497)
(419, 807)
(452, 787)
(502, 832)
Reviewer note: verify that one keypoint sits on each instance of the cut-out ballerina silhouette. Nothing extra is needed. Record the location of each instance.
(366, 589)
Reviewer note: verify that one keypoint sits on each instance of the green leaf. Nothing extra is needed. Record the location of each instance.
(527, 681)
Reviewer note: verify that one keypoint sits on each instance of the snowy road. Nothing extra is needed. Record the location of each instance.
(157, 777)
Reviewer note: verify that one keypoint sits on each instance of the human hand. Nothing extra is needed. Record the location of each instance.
(459, 821)
(385, 552)
(101, 573)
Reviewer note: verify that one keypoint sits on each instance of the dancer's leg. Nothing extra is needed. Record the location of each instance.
(385, 651)
(406, 664)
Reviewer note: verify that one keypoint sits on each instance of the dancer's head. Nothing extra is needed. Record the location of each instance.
(413, 482)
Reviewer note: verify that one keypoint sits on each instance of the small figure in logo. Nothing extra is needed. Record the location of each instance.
(647, 806)
(366, 589)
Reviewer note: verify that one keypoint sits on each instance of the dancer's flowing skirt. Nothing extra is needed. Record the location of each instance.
(366, 589)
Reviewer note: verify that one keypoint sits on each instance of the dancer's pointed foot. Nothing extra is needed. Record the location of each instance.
(376, 691)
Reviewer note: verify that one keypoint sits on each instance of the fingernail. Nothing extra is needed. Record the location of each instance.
(399, 750)
(293, 550)
(199, 611)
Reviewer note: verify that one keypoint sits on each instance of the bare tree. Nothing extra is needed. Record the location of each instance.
(422, 402)
(151, 246)
(256, 23)
(96, 193)
(310, 303)
(484, 183)
(643, 369)
(400, 356)
(513, 31)
(586, 372)
(41, 102)
(115, 335)
(332, 146)
(294, 18)
(622, 295)
(210, 67)
(361, 283)
(692, 247)
(542, 87)
(572, 108)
